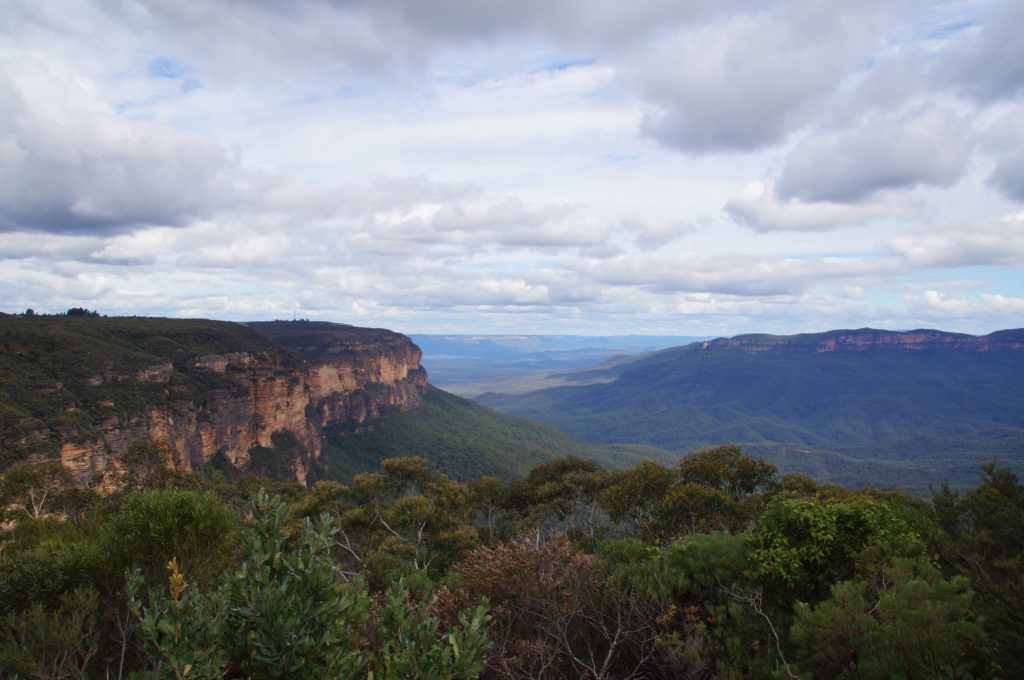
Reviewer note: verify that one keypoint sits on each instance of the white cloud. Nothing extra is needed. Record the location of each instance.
(994, 243)
(734, 274)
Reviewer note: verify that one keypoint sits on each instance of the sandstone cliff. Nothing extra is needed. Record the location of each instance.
(201, 405)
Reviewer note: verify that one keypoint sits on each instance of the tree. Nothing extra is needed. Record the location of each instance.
(44, 645)
(564, 490)
(729, 469)
(912, 624)
(559, 612)
(288, 612)
(150, 528)
(33, 488)
(143, 465)
(803, 545)
(409, 516)
(986, 529)
(634, 496)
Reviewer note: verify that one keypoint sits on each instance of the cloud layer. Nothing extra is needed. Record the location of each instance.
(677, 167)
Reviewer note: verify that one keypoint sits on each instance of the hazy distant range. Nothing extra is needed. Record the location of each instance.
(469, 365)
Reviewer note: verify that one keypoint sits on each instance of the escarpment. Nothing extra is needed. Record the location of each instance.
(868, 339)
(207, 390)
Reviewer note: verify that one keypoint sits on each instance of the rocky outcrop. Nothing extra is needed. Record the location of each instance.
(867, 339)
(258, 395)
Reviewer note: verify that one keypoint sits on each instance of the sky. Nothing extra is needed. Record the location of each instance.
(686, 167)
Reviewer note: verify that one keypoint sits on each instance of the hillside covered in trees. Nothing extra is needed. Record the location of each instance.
(857, 407)
(715, 566)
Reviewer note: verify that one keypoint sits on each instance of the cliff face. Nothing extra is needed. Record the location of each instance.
(228, 422)
(354, 383)
(108, 391)
(867, 339)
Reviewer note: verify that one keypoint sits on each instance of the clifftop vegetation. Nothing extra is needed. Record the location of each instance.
(65, 374)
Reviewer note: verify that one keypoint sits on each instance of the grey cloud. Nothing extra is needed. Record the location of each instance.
(727, 75)
(1005, 140)
(987, 64)
(70, 164)
(759, 209)
(651, 233)
(750, 80)
(887, 151)
(386, 35)
(1008, 176)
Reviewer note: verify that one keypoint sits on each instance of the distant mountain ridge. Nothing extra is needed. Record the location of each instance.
(866, 399)
(865, 339)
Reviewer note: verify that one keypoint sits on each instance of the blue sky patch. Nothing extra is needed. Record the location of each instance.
(162, 67)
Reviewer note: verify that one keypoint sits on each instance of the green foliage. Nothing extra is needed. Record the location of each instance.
(33, 489)
(275, 462)
(802, 545)
(51, 645)
(408, 643)
(564, 491)
(287, 612)
(151, 528)
(720, 488)
(282, 613)
(796, 579)
(634, 495)
(911, 624)
(410, 517)
(728, 469)
(986, 544)
(43, 568)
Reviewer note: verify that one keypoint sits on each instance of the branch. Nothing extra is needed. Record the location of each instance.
(753, 600)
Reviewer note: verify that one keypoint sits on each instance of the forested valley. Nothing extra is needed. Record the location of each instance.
(715, 567)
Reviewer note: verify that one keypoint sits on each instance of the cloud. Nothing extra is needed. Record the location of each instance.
(649, 232)
(1004, 139)
(987, 63)
(70, 164)
(994, 243)
(503, 222)
(737, 274)
(1008, 175)
(748, 80)
(886, 151)
(938, 305)
(759, 209)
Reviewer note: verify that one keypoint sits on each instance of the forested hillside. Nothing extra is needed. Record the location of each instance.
(463, 439)
(853, 406)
